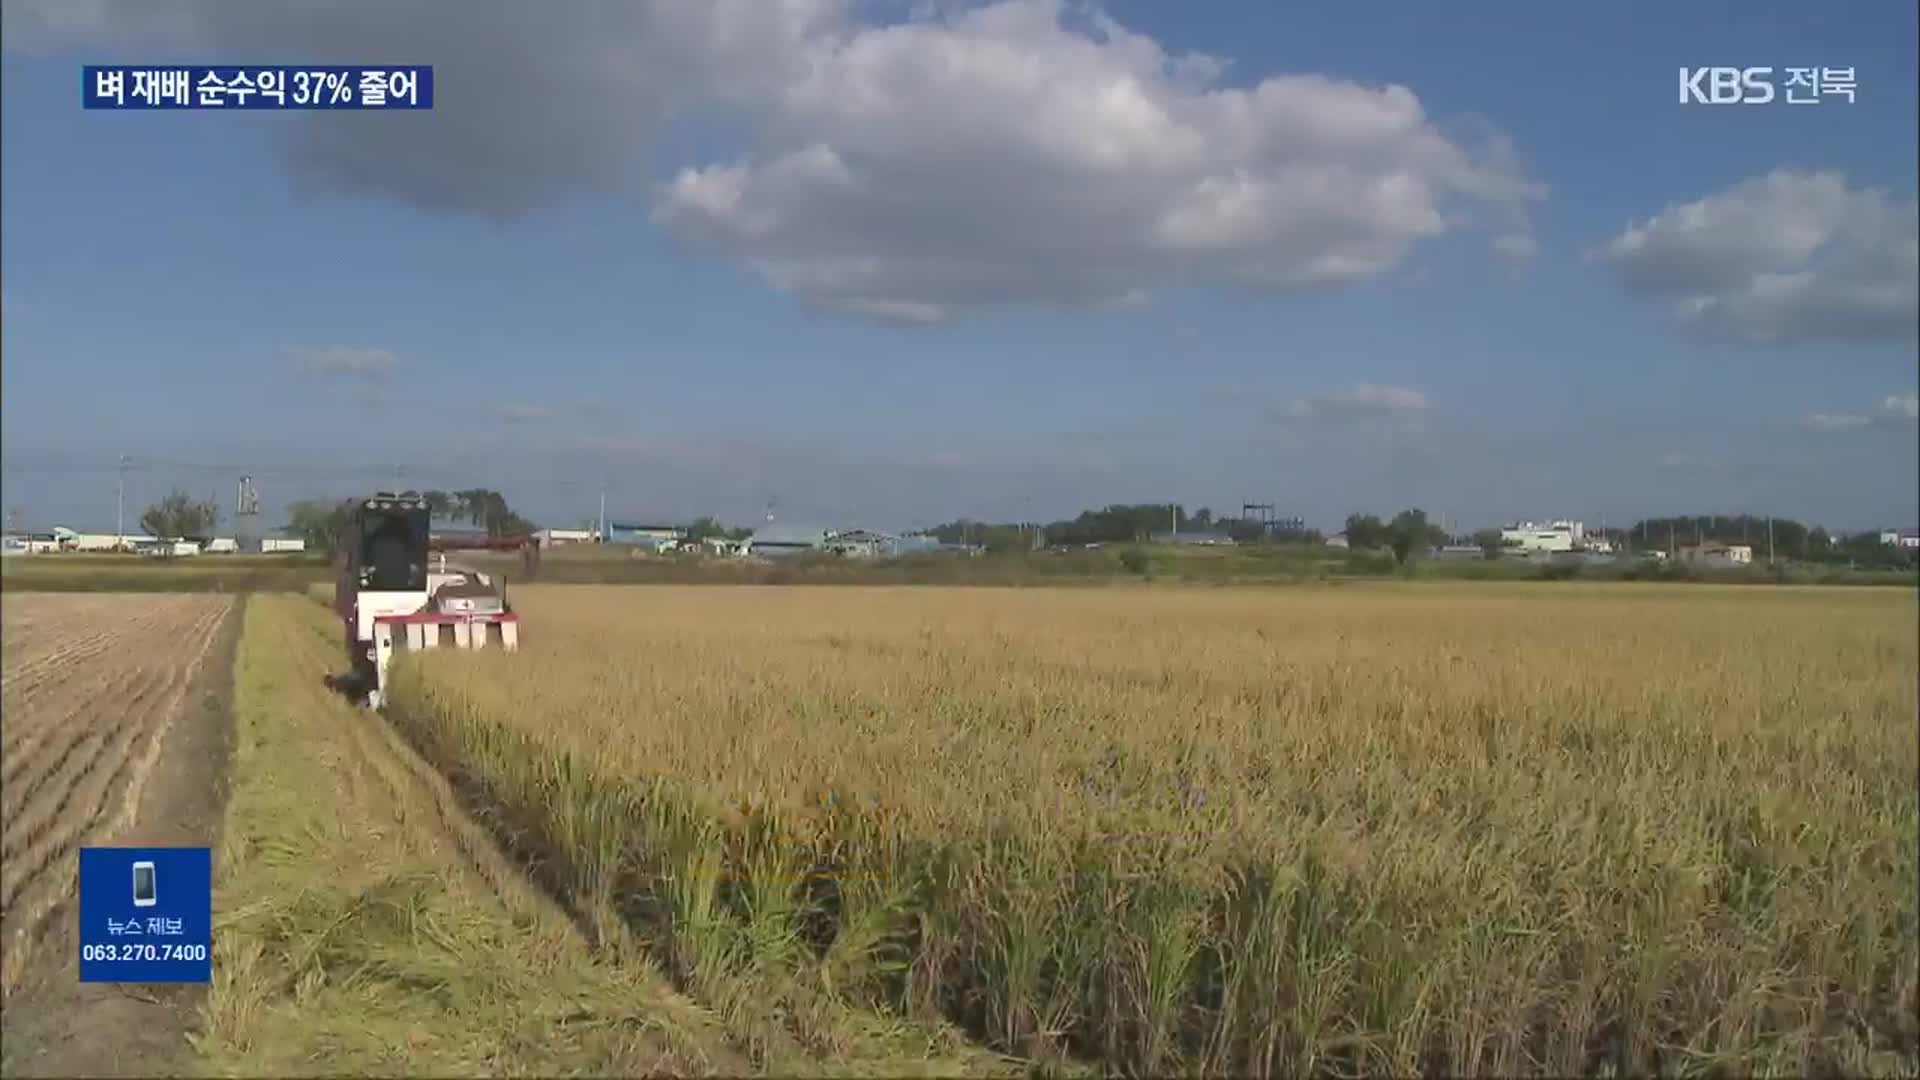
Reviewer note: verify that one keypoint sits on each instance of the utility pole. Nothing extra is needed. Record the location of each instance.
(120, 506)
(602, 538)
(1769, 539)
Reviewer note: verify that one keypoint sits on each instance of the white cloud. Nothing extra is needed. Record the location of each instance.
(1822, 421)
(1017, 152)
(1360, 401)
(1894, 410)
(340, 360)
(1786, 257)
(999, 155)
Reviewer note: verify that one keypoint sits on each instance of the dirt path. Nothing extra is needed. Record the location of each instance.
(119, 735)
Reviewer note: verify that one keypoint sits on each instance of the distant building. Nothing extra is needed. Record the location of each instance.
(1906, 538)
(1459, 553)
(724, 547)
(223, 545)
(33, 543)
(169, 548)
(282, 545)
(779, 541)
(1338, 540)
(79, 541)
(1528, 537)
(551, 537)
(916, 544)
(1717, 555)
(861, 544)
(646, 537)
(1194, 538)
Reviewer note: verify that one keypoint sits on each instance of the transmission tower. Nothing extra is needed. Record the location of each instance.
(246, 517)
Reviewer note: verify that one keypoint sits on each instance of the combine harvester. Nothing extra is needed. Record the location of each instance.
(397, 592)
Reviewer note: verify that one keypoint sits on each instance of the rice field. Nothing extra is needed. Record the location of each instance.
(92, 685)
(1430, 829)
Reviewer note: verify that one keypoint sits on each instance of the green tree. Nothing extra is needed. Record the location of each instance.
(486, 508)
(318, 522)
(1411, 532)
(1366, 532)
(180, 515)
(707, 527)
(1489, 542)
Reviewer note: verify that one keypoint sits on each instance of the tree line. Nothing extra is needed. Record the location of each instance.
(319, 521)
(1117, 523)
(1782, 538)
(1126, 523)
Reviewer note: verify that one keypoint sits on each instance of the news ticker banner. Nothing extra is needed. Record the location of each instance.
(146, 914)
(257, 86)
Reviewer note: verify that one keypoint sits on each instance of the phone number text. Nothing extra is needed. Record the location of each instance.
(153, 953)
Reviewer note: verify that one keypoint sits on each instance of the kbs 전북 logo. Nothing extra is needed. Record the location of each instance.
(1758, 86)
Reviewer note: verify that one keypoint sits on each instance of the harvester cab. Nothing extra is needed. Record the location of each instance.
(397, 592)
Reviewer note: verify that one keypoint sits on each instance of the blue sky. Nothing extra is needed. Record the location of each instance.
(897, 264)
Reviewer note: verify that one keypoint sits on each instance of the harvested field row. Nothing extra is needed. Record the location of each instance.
(87, 714)
(48, 633)
(1551, 830)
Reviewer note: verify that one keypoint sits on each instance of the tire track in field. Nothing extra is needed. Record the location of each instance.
(35, 838)
(37, 624)
(50, 651)
(43, 725)
(30, 764)
(18, 774)
(40, 645)
(64, 793)
(49, 672)
(81, 779)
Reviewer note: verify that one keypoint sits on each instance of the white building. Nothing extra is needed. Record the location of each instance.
(33, 543)
(69, 540)
(223, 545)
(1906, 538)
(282, 545)
(550, 537)
(1528, 537)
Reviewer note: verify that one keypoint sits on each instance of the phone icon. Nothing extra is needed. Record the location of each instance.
(144, 887)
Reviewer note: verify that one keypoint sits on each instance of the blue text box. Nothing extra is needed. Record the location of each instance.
(146, 914)
(256, 86)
